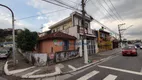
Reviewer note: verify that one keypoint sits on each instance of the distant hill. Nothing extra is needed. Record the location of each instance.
(6, 34)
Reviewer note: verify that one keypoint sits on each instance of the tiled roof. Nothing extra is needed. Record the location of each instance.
(104, 31)
(57, 35)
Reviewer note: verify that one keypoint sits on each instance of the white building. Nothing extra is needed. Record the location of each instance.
(72, 25)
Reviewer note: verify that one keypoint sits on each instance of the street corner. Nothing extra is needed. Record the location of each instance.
(31, 72)
(13, 72)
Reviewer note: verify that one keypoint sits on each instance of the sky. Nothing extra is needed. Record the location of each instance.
(124, 11)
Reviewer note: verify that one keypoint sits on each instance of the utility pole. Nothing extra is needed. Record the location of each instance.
(120, 36)
(84, 35)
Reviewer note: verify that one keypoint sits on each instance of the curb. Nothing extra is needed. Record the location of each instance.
(7, 72)
(77, 69)
(80, 68)
(57, 70)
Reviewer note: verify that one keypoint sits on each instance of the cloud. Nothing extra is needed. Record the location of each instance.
(6, 22)
(45, 7)
(47, 25)
(41, 18)
(129, 10)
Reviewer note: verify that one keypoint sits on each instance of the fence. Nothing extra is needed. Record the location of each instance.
(66, 55)
(38, 59)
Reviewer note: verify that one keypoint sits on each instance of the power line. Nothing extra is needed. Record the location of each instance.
(58, 4)
(106, 10)
(70, 7)
(112, 11)
(103, 24)
(74, 2)
(115, 10)
(77, 4)
(105, 27)
(86, 1)
(99, 9)
(40, 14)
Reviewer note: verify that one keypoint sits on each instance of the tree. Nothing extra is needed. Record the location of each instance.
(27, 40)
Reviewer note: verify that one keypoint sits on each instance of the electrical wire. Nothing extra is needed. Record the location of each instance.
(70, 7)
(58, 4)
(74, 2)
(99, 9)
(112, 10)
(105, 26)
(40, 14)
(115, 10)
(106, 10)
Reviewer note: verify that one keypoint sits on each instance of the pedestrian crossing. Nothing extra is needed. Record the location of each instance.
(87, 76)
(110, 77)
(93, 73)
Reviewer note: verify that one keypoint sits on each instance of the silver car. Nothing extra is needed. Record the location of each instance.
(4, 52)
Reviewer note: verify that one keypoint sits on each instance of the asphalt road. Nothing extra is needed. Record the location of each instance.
(2, 75)
(117, 68)
(2, 62)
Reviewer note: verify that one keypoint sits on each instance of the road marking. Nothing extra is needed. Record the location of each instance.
(72, 67)
(141, 70)
(110, 77)
(122, 70)
(89, 75)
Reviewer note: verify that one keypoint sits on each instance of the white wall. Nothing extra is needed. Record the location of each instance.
(72, 31)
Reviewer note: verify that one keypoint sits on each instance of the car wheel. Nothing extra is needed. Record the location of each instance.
(136, 54)
(123, 54)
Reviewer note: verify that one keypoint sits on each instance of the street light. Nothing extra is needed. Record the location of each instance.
(13, 32)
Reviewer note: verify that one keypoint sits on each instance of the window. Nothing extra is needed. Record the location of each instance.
(76, 21)
(86, 25)
(63, 27)
(53, 31)
(57, 29)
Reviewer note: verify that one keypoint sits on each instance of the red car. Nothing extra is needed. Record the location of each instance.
(129, 50)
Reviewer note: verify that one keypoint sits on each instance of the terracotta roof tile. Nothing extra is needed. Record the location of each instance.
(57, 35)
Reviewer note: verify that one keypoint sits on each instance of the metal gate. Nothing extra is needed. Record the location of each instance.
(91, 47)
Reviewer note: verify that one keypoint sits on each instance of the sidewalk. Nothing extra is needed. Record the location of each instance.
(92, 58)
(23, 67)
(66, 66)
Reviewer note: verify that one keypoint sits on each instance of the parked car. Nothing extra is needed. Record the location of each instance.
(140, 46)
(129, 50)
(5, 52)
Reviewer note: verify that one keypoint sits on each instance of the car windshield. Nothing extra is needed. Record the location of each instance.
(129, 47)
(1, 52)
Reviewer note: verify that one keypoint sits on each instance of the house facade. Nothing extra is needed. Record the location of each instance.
(72, 25)
(104, 40)
(58, 46)
(55, 42)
